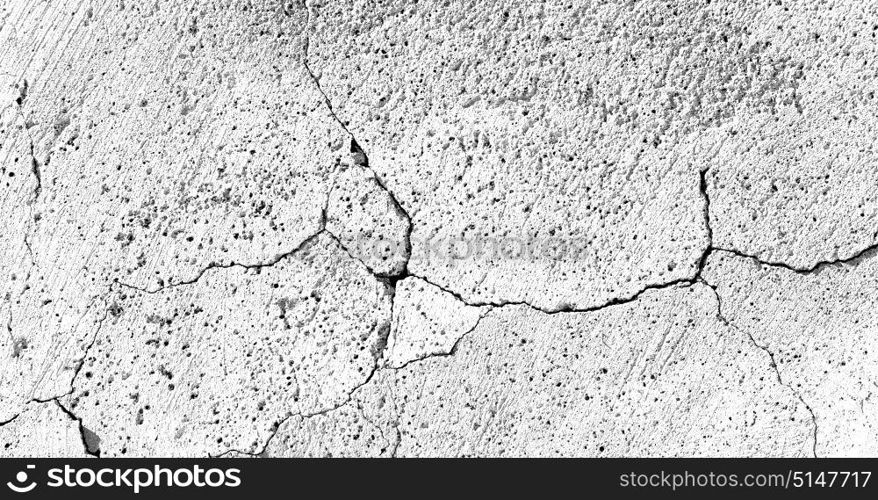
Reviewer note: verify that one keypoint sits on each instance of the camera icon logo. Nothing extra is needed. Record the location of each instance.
(21, 478)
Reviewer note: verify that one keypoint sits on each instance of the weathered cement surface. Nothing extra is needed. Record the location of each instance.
(46, 430)
(481, 228)
(819, 329)
(659, 376)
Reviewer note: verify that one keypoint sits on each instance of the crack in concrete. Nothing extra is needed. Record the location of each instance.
(378, 356)
(34, 164)
(450, 352)
(88, 348)
(856, 258)
(703, 187)
(773, 364)
(682, 282)
(865, 253)
(360, 156)
(391, 281)
(261, 453)
(10, 420)
(853, 259)
(215, 265)
(90, 440)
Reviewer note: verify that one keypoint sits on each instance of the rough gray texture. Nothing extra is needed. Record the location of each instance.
(196, 369)
(44, 430)
(659, 376)
(819, 329)
(393, 228)
(427, 321)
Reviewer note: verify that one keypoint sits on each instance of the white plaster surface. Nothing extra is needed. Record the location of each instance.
(438, 228)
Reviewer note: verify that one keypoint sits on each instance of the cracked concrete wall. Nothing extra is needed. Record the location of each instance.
(392, 228)
(43, 430)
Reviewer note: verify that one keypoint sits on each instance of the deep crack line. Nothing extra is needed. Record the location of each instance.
(682, 282)
(360, 156)
(34, 164)
(703, 188)
(867, 252)
(10, 420)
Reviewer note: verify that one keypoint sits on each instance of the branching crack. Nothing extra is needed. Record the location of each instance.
(360, 156)
(869, 251)
(725, 321)
(703, 187)
(90, 440)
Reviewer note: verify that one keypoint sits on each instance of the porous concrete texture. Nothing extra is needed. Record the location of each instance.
(818, 328)
(438, 228)
(46, 430)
